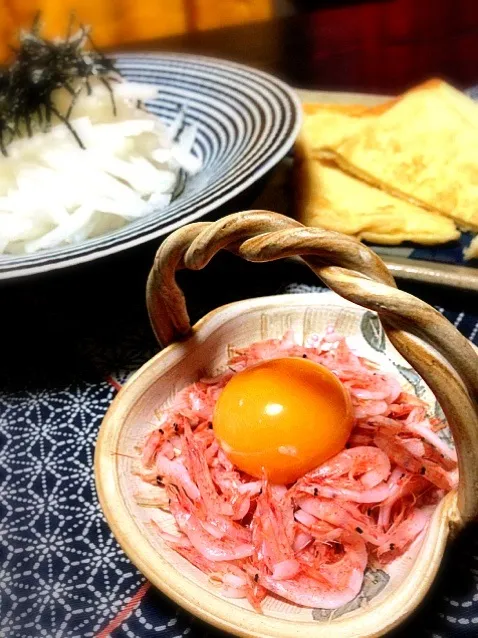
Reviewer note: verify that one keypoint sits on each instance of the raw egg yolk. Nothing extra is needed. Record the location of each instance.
(282, 418)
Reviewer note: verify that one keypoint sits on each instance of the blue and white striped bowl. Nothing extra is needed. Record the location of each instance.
(247, 121)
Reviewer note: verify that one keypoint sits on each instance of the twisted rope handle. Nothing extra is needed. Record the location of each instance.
(430, 343)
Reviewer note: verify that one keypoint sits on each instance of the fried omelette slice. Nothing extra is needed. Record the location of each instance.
(329, 124)
(329, 198)
(332, 199)
(423, 148)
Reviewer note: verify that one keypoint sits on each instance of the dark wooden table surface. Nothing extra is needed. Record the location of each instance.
(382, 46)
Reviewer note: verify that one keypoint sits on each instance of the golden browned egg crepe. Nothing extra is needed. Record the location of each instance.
(331, 198)
(422, 148)
(328, 125)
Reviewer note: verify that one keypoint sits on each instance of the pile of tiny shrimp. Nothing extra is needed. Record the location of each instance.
(309, 542)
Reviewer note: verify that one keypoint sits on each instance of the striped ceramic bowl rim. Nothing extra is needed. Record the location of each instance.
(247, 121)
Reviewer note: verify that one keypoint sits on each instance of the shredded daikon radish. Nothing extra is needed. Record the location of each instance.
(54, 193)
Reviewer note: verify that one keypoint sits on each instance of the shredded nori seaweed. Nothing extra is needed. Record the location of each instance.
(40, 67)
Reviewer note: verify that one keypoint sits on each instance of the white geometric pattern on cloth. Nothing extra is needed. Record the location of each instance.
(144, 621)
(62, 572)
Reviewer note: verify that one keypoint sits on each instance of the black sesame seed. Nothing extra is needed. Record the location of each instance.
(316, 491)
(256, 577)
(359, 530)
(161, 431)
(392, 546)
(304, 356)
(422, 470)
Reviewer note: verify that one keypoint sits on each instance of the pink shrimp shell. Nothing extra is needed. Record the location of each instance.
(209, 534)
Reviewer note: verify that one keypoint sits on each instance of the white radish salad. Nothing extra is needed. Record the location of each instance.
(54, 191)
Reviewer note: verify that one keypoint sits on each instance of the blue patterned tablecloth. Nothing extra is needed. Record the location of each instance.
(62, 573)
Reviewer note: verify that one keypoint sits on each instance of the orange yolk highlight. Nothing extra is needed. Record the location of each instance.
(282, 418)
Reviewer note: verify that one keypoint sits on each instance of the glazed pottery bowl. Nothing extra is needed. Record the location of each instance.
(398, 331)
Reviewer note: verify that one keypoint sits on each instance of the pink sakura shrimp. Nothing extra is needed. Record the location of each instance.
(358, 474)
(309, 542)
(282, 571)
